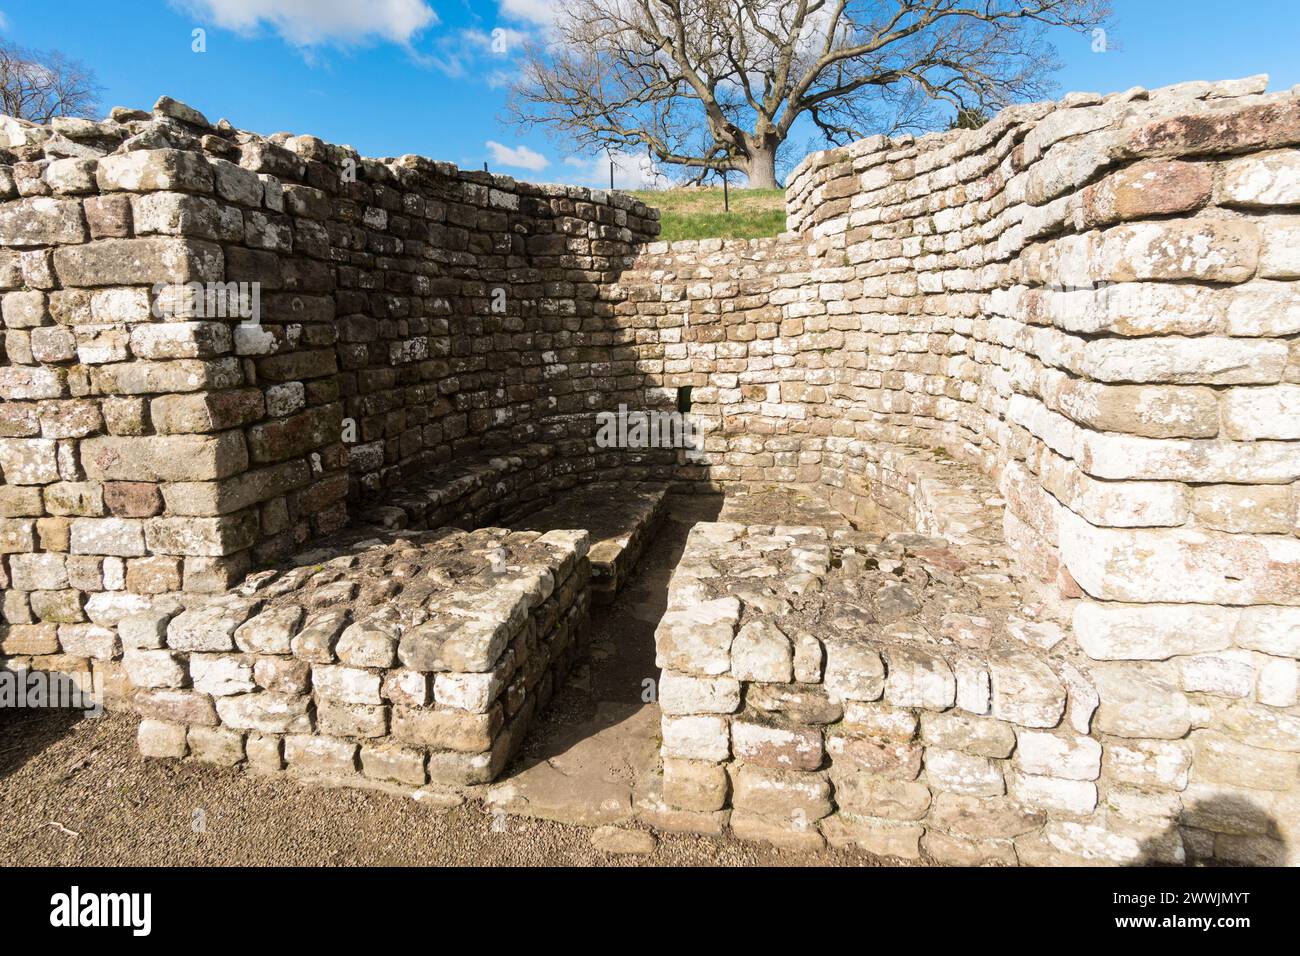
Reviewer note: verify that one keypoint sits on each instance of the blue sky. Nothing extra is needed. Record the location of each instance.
(422, 78)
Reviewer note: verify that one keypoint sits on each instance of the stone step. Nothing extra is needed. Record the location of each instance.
(619, 516)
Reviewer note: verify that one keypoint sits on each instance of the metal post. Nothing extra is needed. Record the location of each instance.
(726, 195)
(611, 174)
(485, 169)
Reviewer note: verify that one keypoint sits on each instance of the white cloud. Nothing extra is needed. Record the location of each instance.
(517, 157)
(310, 23)
(541, 12)
(630, 171)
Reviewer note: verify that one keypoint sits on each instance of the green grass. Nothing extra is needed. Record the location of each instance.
(698, 213)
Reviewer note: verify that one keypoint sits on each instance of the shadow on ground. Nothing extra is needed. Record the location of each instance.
(582, 761)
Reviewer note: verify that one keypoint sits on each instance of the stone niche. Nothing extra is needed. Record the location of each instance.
(399, 659)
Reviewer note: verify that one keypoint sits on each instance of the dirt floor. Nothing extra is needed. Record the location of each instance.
(74, 790)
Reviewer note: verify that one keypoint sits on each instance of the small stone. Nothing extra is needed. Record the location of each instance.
(621, 840)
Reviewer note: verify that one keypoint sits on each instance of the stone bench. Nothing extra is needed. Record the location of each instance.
(620, 517)
(821, 688)
(395, 659)
(469, 492)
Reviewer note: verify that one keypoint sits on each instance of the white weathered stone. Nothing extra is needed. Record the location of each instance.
(1067, 757)
(696, 738)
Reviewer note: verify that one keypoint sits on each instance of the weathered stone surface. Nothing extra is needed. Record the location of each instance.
(266, 712)
(1050, 755)
(326, 756)
(1146, 190)
(697, 738)
(695, 785)
(221, 675)
(957, 772)
(147, 260)
(41, 221)
(683, 694)
(981, 736)
(769, 744)
(1139, 702)
(216, 745)
(177, 706)
(885, 838)
(1270, 179)
(164, 458)
(1026, 692)
(1052, 793)
(155, 668)
(762, 652)
(698, 640)
(854, 670)
(146, 170)
(1150, 632)
(270, 632)
(919, 679)
(368, 644)
(209, 627)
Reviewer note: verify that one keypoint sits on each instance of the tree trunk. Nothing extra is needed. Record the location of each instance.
(761, 168)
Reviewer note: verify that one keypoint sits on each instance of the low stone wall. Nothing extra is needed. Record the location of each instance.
(1093, 303)
(413, 659)
(894, 695)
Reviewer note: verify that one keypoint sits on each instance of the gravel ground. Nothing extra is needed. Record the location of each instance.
(75, 792)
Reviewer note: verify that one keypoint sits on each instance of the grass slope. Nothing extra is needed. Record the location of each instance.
(698, 213)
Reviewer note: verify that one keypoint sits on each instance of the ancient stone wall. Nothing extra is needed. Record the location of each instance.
(413, 658)
(156, 437)
(1095, 304)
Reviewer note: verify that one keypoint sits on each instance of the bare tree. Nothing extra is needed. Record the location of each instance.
(39, 86)
(718, 84)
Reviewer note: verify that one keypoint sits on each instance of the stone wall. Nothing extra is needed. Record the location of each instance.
(153, 440)
(292, 671)
(1092, 304)
(1095, 304)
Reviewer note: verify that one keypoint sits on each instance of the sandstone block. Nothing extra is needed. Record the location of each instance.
(697, 640)
(981, 736)
(1051, 793)
(148, 170)
(266, 712)
(1151, 631)
(42, 221)
(776, 745)
(164, 458)
(781, 794)
(1048, 755)
(158, 738)
(854, 670)
(697, 738)
(695, 785)
(221, 675)
(762, 652)
(1270, 179)
(143, 261)
(216, 745)
(681, 694)
(392, 762)
(154, 668)
(325, 756)
(1140, 702)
